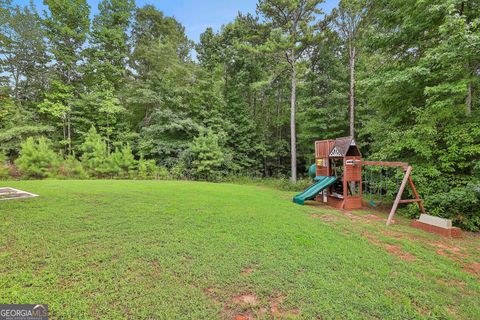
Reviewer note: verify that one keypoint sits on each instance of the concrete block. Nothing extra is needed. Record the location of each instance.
(450, 232)
(435, 221)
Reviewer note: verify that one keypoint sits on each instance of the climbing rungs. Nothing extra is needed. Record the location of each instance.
(410, 200)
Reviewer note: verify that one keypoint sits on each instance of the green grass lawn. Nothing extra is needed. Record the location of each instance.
(189, 250)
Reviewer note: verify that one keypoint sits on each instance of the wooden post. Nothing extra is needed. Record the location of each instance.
(417, 196)
(399, 195)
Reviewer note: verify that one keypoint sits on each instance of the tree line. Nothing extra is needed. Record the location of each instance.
(251, 98)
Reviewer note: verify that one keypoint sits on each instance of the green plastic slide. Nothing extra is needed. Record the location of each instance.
(311, 192)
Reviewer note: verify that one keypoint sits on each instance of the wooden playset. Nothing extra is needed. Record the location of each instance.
(342, 159)
(338, 174)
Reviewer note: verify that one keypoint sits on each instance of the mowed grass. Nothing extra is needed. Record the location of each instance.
(189, 250)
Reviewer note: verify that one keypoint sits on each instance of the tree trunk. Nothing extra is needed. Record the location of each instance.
(69, 134)
(469, 98)
(352, 91)
(65, 132)
(293, 141)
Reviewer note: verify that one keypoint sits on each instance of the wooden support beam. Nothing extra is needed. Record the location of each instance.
(415, 193)
(385, 164)
(399, 195)
(411, 200)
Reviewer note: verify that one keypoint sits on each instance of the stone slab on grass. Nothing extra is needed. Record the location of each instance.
(8, 193)
(435, 221)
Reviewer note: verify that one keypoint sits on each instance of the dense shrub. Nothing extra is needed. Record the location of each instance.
(125, 160)
(461, 204)
(162, 173)
(99, 163)
(206, 156)
(94, 155)
(280, 183)
(179, 171)
(146, 169)
(72, 168)
(37, 159)
(4, 169)
(451, 196)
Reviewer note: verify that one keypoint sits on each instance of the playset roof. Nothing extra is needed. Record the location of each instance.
(342, 146)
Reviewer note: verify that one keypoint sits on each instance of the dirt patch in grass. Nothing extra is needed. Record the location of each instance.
(455, 253)
(246, 300)
(453, 250)
(240, 307)
(325, 217)
(472, 267)
(248, 306)
(403, 235)
(371, 238)
(367, 217)
(390, 248)
(351, 216)
(246, 271)
(397, 251)
(276, 312)
(451, 283)
(373, 217)
(155, 267)
(213, 294)
(243, 317)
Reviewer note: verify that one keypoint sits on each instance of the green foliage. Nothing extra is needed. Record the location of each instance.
(37, 159)
(23, 51)
(57, 106)
(461, 204)
(131, 76)
(94, 153)
(67, 23)
(122, 162)
(206, 156)
(162, 173)
(4, 169)
(99, 163)
(10, 139)
(101, 107)
(71, 168)
(167, 136)
(179, 170)
(417, 107)
(146, 169)
(109, 51)
(165, 237)
(56, 100)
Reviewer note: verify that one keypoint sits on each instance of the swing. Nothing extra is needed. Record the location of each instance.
(378, 189)
(376, 192)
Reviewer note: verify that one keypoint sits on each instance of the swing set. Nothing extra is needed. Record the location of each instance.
(341, 159)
